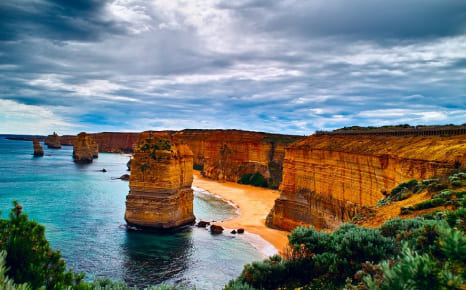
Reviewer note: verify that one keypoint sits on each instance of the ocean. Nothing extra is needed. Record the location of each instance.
(83, 210)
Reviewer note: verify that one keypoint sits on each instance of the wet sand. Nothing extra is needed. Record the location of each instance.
(254, 204)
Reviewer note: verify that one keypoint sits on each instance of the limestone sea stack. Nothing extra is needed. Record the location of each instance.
(160, 195)
(53, 141)
(85, 149)
(38, 150)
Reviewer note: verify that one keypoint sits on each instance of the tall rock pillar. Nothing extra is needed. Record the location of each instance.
(38, 150)
(160, 193)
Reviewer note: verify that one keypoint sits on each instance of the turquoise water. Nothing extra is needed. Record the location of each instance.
(82, 209)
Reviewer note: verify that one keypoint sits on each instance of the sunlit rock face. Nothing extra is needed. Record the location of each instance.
(227, 155)
(160, 193)
(85, 148)
(38, 150)
(53, 141)
(224, 155)
(327, 179)
(108, 141)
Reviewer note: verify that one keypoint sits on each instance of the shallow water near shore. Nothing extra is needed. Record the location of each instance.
(83, 208)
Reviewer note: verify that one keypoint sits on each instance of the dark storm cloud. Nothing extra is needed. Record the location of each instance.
(361, 19)
(53, 20)
(280, 66)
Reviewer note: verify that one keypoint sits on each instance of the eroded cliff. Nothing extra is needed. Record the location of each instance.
(326, 179)
(160, 183)
(227, 155)
(108, 141)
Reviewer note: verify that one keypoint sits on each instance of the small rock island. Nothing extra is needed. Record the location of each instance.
(160, 195)
(38, 150)
(53, 141)
(85, 148)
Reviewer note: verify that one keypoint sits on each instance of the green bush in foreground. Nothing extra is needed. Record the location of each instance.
(27, 261)
(5, 282)
(318, 258)
(29, 256)
(417, 253)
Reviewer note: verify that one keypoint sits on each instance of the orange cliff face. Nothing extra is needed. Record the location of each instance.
(85, 148)
(227, 155)
(326, 179)
(108, 141)
(160, 183)
(224, 155)
(115, 142)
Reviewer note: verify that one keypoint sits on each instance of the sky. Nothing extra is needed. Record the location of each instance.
(288, 67)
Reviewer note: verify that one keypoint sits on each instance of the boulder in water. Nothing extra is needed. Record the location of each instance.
(202, 224)
(124, 177)
(214, 229)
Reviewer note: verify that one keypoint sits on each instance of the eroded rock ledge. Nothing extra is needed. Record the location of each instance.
(160, 195)
(327, 179)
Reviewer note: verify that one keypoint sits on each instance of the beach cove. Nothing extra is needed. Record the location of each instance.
(254, 203)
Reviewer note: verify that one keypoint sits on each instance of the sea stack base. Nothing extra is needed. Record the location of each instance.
(160, 195)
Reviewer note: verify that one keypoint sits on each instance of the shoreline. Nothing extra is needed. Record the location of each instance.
(253, 204)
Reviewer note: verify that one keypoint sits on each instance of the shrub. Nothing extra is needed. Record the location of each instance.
(456, 183)
(406, 210)
(268, 274)
(429, 181)
(256, 180)
(457, 177)
(456, 218)
(199, 167)
(393, 227)
(237, 285)
(383, 201)
(29, 256)
(434, 187)
(318, 258)
(413, 270)
(245, 179)
(445, 195)
(460, 194)
(429, 203)
(5, 282)
(408, 185)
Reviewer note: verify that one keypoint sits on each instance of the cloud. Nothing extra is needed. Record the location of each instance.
(280, 66)
(24, 119)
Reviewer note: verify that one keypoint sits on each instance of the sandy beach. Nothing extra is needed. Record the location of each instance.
(254, 204)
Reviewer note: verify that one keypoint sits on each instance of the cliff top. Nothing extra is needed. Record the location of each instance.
(239, 135)
(434, 148)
